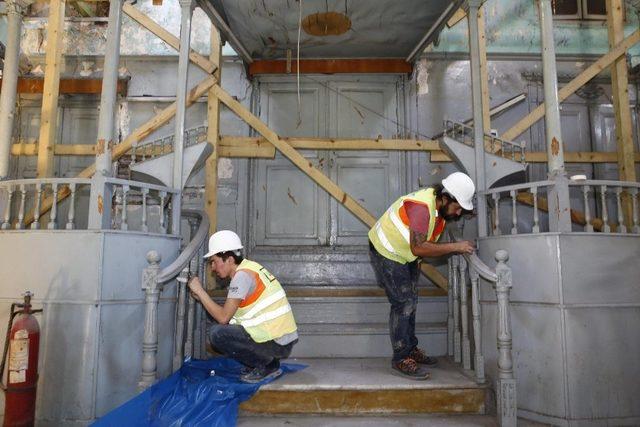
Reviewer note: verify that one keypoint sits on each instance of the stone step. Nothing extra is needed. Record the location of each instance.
(366, 386)
(394, 420)
(362, 339)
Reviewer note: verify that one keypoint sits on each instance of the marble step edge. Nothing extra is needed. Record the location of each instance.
(365, 328)
(297, 291)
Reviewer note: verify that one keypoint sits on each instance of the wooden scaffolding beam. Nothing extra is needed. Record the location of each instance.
(575, 84)
(49, 114)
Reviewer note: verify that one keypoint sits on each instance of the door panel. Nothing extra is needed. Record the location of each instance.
(289, 208)
(79, 126)
(364, 110)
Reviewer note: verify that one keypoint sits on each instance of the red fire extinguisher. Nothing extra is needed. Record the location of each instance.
(22, 343)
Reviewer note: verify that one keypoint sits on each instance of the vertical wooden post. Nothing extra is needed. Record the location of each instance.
(49, 115)
(213, 135)
(620, 84)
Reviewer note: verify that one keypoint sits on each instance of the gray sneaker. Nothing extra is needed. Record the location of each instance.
(262, 373)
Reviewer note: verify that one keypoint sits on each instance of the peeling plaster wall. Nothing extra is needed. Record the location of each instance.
(514, 27)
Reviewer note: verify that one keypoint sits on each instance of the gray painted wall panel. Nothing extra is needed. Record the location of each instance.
(537, 355)
(603, 361)
(40, 261)
(600, 269)
(534, 261)
(125, 258)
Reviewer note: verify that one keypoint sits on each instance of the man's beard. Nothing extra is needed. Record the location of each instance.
(442, 212)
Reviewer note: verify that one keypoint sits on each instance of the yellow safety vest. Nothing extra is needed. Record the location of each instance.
(265, 314)
(390, 234)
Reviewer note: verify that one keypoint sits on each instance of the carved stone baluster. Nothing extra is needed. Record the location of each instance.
(36, 210)
(72, 207)
(622, 228)
(123, 224)
(588, 227)
(523, 156)
(54, 209)
(513, 152)
(142, 152)
(514, 214)
(7, 210)
(536, 219)
(23, 199)
(163, 197)
(457, 356)
(464, 314)
(506, 383)
(634, 197)
(477, 332)
(450, 305)
(496, 220)
(134, 148)
(145, 191)
(150, 339)
(606, 228)
(179, 338)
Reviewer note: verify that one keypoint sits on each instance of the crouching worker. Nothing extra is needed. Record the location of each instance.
(255, 325)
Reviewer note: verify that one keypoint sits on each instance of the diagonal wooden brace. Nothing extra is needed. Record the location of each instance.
(141, 132)
(307, 167)
(575, 84)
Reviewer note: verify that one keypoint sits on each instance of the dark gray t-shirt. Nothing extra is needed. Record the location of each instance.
(243, 284)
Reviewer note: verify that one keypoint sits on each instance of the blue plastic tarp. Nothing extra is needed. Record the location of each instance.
(202, 392)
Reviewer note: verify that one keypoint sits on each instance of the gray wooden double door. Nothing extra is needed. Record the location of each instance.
(288, 208)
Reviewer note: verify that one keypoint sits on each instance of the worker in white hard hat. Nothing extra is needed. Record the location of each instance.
(406, 232)
(255, 326)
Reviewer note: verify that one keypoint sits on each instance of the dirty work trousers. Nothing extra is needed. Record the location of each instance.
(234, 342)
(400, 284)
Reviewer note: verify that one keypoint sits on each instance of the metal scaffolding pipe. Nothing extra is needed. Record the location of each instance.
(186, 7)
(555, 151)
(15, 10)
(108, 98)
(101, 193)
(559, 201)
(478, 125)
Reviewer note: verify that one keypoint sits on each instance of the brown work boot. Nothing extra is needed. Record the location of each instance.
(420, 356)
(408, 368)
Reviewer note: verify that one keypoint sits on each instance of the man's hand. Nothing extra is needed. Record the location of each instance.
(195, 286)
(465, 247)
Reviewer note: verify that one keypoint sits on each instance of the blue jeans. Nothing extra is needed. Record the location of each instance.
(234, 342)
(400, 284)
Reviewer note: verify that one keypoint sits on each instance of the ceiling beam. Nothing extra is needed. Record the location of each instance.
(433, 32)
(224, 30)
(332, 66)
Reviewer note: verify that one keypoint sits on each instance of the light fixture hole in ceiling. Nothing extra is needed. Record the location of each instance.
(326, 24)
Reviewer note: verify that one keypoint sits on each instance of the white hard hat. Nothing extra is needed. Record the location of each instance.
(460, 186)
(223, 241)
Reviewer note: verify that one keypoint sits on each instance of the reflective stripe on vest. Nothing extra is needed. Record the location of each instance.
(391, 235)
(266, 313)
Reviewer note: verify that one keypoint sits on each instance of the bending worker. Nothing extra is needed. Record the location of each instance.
(255, 325)
(406, 232)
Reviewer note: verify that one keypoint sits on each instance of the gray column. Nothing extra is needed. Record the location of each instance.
(559, 209)
(15, 10)
(186, 7)
(101, 194)
(478, 123)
